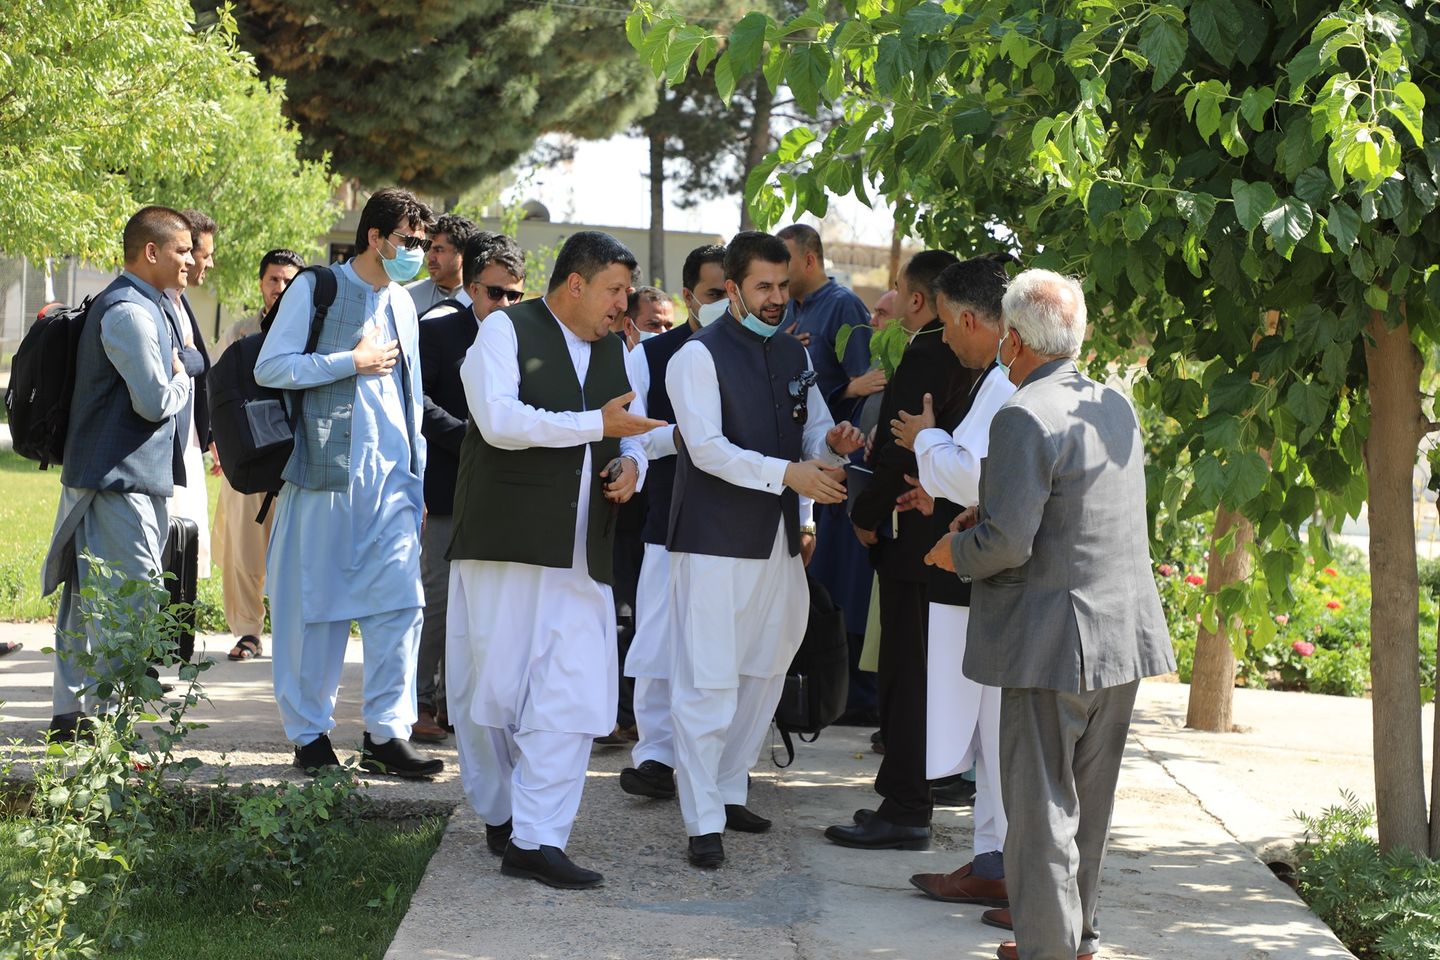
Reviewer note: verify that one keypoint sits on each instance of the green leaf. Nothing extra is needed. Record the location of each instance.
(635, 29)
(1137, 221)
(793, 144)
(1231, 138)
(1409, 109)
(725, 77)
(1216, 24)
(1163, 42)
(1342, 223)
(1254, 104)
(1209, 478)
(1102, 199)
(747, 43)
(1252, 201)
(1309, 404)
(1231, 393)
(1313, 186)
(807, 67)
(1245, 476)
(1288, 223)
(1196, 208)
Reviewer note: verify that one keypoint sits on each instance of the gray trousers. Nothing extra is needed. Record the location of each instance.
(435, 579)
(1060, 758)
(127, 531)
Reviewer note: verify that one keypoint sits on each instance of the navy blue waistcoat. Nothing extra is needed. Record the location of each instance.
(109, 446)
(660, 478)
(709, 515)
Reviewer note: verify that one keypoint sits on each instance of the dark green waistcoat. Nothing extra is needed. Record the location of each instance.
(520, 505)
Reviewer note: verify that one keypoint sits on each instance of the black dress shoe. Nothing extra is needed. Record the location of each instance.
(877, 833)
(742, 818)
(316, 755)
(651, 779)
(70, 727)
(953, 791)
(706, 851)
(550, 866)
(863, 814)
(398, 758)
(497, 838)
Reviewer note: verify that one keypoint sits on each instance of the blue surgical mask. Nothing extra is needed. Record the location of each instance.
(754, 324)
(1004, 367)
(710, 312)
(404, 265)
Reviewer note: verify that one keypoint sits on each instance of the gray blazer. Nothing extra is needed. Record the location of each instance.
(1064, 595)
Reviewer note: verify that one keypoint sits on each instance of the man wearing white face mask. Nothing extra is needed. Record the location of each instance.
(648, 659)
(648, 313)
(346, 541)
(754, 435)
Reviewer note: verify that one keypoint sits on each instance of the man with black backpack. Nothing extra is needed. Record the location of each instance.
(346, 542)
(123, 451)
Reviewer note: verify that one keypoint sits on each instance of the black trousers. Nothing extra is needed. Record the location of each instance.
(904, 617)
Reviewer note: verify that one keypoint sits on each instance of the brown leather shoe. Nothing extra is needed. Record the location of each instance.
(961, 886)
(425, 729)
(1008, 951)
(998, 918)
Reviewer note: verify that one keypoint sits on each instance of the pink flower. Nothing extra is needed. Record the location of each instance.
(1166, 570)
(1199, 619)
(1303, 647)
(1331, 572)
(1332, 605)
(1195, 580)
(1282, 618)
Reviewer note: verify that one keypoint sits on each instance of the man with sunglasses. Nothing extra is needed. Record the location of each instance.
(346, 542)
(754, 435)
(444, 262)
(494, 275)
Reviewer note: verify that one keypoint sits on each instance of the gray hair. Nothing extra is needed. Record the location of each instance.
(1048, 311)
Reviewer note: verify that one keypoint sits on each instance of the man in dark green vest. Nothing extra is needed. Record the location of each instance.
(549, 454)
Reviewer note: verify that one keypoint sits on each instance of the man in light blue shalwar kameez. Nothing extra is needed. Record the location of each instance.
(346, 541)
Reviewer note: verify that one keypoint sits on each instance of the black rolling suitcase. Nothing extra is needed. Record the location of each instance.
(181, 557)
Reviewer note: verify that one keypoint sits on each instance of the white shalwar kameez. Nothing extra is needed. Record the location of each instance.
(735, 623)
(530, 664)
(962, 715)
(648, 660)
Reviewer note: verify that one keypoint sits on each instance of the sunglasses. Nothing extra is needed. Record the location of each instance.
(500, 293)
(799, 390)
(412, 243)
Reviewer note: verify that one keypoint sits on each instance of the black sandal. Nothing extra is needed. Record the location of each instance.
(8, 647)
(246, 648)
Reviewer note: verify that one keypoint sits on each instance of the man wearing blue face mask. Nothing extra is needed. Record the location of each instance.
(754, 436)
(346, 541)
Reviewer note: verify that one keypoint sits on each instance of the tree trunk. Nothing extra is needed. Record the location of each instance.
(1212, 679)
(759, 144)
(1393, 367)
(1435, 761)
(657, 208)
(895, 240)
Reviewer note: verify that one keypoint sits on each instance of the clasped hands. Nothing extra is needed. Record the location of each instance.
(819, 480)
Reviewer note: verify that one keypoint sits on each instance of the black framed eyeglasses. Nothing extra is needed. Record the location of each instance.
(412, 243)
(799, 390)
(500, 293)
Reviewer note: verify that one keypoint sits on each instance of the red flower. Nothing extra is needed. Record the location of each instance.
(1332, 572)
(1303, 647)
(1195, 579)
(1282, 618)
(1332, 605)
(1166, 570)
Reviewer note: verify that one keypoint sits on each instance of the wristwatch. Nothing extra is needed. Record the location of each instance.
(807, 528)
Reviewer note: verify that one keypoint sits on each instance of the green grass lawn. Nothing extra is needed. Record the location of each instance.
(28, 498)
(348, 914)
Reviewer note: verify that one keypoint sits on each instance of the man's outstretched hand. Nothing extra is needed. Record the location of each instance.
(907, 426)
(817, 480)
(620, 422)
(845, 439)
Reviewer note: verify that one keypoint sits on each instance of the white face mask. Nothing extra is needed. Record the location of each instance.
(710, 312)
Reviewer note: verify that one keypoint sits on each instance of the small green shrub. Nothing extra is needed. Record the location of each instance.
(1383, 907)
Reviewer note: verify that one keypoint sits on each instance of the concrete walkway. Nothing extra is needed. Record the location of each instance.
(1182, 880)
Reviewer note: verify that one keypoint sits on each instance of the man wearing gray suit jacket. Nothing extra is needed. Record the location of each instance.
(1065, 617)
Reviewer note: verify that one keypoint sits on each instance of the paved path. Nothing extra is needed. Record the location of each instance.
(1182, 880)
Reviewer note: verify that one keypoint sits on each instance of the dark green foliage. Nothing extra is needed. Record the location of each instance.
(436, 96)
(1384, 907)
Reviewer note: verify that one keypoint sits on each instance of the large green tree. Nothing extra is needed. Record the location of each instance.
(1249, 190)
(107, 105)
(436, 96)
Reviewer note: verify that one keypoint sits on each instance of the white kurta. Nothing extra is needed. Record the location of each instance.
(530, 650)
(735, 623)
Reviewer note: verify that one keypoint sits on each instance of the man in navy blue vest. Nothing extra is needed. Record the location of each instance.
(494, 275)
(755, 436)
(123, 453)
(648, 660)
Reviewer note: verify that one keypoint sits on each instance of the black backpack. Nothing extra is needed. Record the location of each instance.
(42, 384)
(818, 681)
(253, 432)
